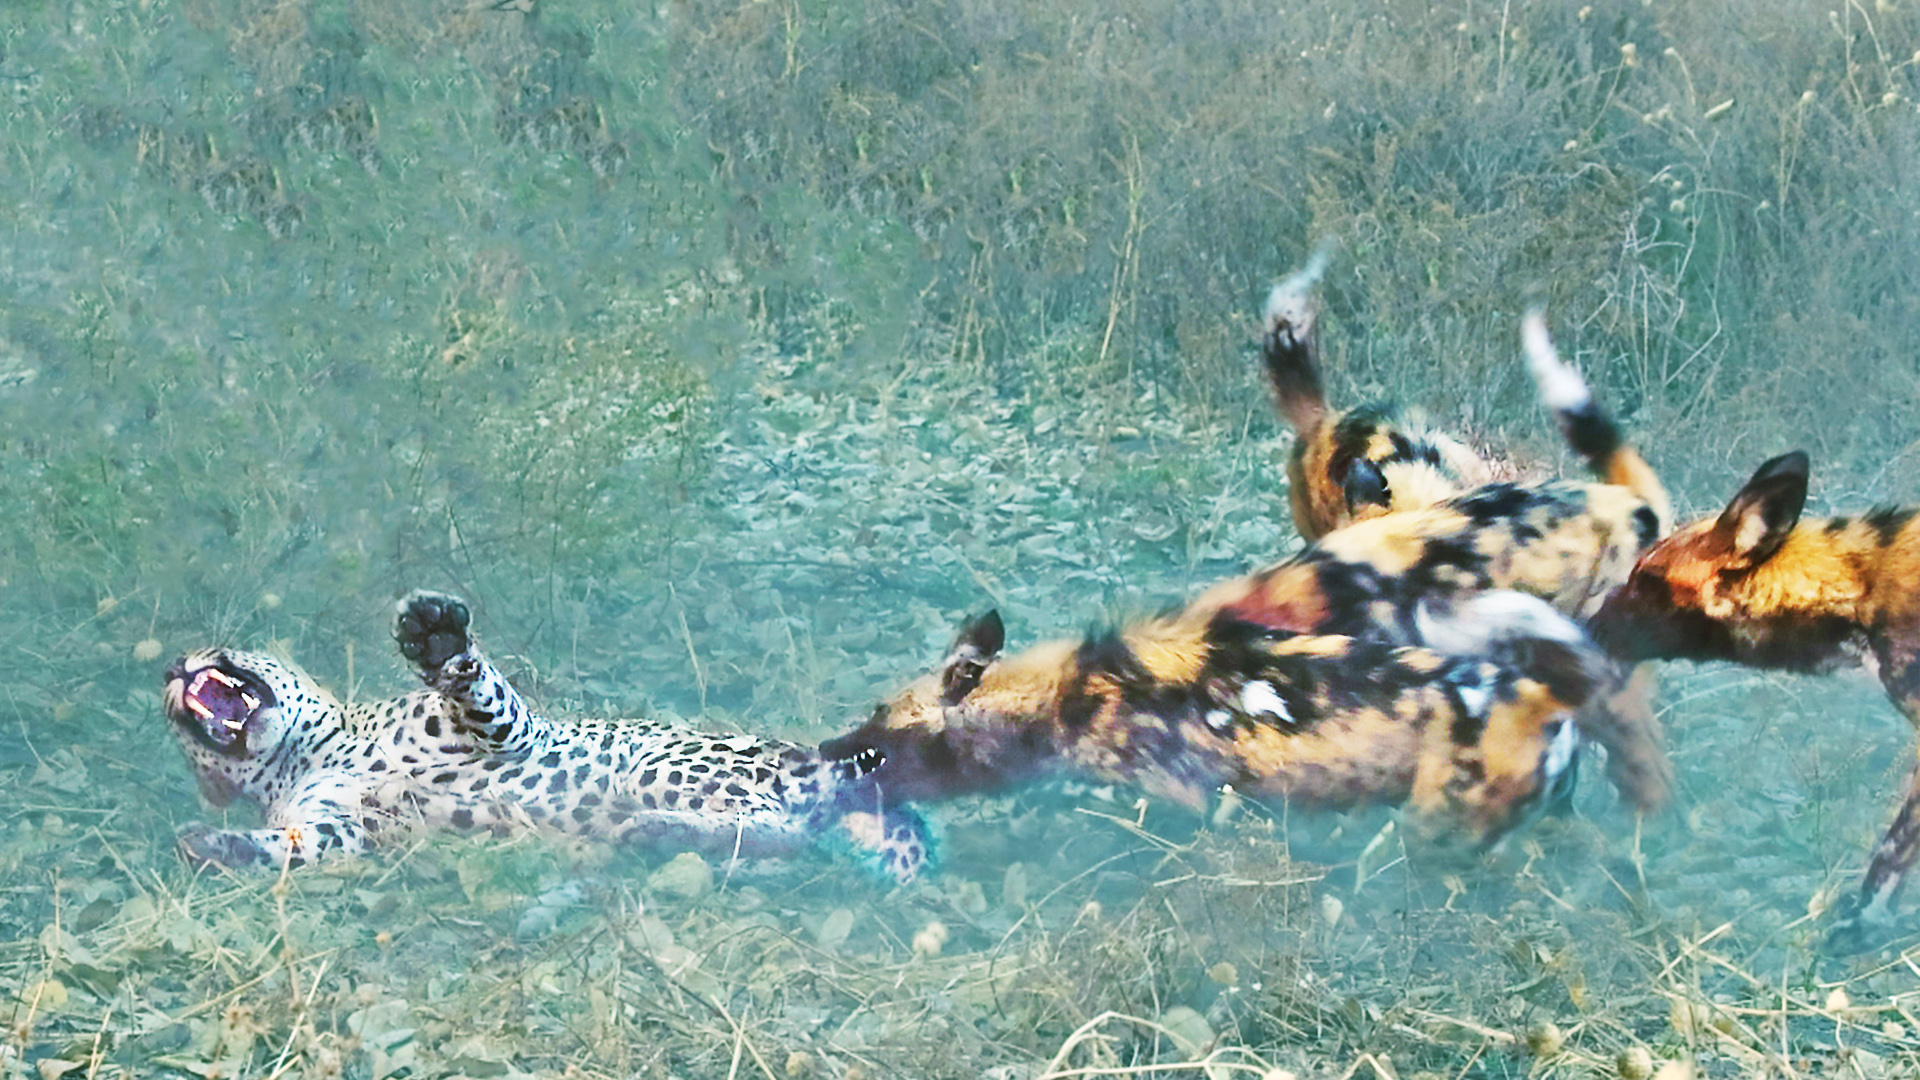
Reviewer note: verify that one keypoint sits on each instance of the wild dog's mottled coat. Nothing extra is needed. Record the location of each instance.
(1757, 585)
(1347, 602)
(1568, 543)
(1183, 704)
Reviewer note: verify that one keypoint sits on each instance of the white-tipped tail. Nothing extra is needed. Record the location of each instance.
(1472, 626)
(1291, 301)
(1561, 387)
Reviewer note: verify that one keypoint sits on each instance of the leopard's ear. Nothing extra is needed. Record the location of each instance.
(1764, 512)
(978, 642)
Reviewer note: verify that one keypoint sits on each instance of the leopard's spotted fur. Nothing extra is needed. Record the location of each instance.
(469, 753)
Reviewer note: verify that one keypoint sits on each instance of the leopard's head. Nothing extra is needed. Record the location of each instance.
(227, 704)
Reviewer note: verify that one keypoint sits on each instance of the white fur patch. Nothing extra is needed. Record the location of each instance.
(1753, 529)
(1559, 755)
(1474, 697)
(1561, 387)
(1261, 699)
(1290, 301)
(1469, 627)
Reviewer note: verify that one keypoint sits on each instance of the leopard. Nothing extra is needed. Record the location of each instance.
(468, 753)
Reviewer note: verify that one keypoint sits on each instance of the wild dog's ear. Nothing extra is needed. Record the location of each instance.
(1761, 515)
(978, 643)
(1366, 486)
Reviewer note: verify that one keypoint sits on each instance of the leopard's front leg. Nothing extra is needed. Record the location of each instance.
(316, 822)
(431, 630)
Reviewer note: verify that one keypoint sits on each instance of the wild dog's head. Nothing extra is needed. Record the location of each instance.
(231, 709)
(1685, 593)
(969, 725)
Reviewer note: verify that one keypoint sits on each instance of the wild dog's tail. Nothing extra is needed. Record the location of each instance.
(1589, 430)
(1288, 346)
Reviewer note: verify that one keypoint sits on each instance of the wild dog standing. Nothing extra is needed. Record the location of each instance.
(1568, 543)
(1470, 740)
(1358, 463)
(1139, 705)
(1758, 586)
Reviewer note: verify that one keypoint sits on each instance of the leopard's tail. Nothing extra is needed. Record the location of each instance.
(1588, 429)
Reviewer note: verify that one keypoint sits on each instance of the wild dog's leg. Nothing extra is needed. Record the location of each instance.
(1289, 353)
(1867, 919)
(1622, 720)
(1288, 349)
(316, 822)
(1524, 672)
(431, 630)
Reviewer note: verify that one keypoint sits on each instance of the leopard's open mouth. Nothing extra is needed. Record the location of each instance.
(215, 702)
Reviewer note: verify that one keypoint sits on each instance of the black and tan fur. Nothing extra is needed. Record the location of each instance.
(1758, 585)
(1369, 461)
(1363, 587)
(1470, 739)
(1566, 542)
(1353, 464)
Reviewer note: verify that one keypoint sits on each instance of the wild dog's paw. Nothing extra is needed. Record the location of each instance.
(1857, 929)
(431, 628)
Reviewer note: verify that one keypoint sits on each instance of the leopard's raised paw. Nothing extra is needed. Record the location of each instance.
(431, 628)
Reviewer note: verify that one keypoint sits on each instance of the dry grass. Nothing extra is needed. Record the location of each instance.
(726, 355)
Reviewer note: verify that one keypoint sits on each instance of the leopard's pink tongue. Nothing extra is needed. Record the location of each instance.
(215, 695)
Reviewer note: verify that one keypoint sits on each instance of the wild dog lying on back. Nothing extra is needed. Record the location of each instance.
(1358, 463)
(1471, 740)
(1759, 586)
(1567, 542)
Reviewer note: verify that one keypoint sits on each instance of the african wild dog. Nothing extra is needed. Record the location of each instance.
(1757, 585)
(1358, 463)
(1567, 542)
(1471, 739)
(1363, 588)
